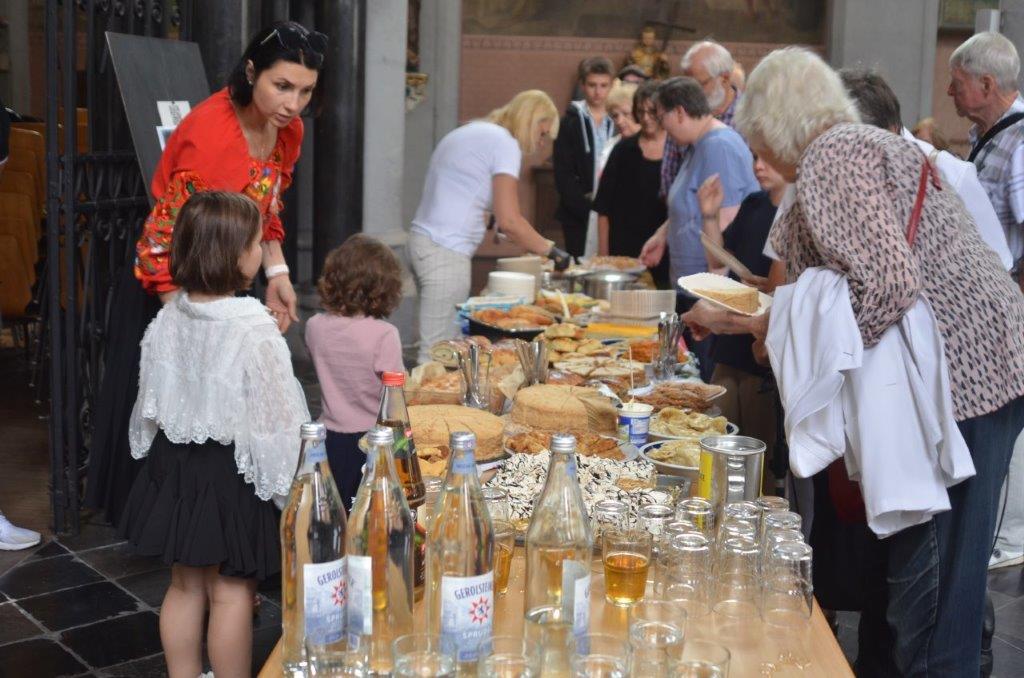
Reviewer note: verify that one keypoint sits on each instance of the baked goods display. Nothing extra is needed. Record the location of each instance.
(631, 482)
(672, 421)
(554, 407)
(681, 394)
(522, 317)
(614, 263)
(599, 367)
(646, 350)
(567, 341)
(576, 303)
(744, 299)
(432, 425)
(587, 444)
(683, 452)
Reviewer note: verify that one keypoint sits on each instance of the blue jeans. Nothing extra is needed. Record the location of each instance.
(936, 573)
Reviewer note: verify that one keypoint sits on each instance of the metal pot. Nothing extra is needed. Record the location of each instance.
(600, 284)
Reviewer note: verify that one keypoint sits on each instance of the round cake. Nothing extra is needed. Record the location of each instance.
(556, 407)
(432, 425)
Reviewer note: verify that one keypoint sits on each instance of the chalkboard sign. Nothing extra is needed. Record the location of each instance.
(160, 81)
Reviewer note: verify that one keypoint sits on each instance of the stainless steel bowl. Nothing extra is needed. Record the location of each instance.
(600, 284)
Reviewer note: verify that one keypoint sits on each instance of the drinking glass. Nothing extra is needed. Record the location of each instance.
(505, 656)
(433, 486)
(600, 656)
(497, 503)
(736, 527)
(627, 557)
(423, 654)
(504, 548)
(743, 510)
(781, 520)
(677, 527)
(702, 659)
(769, 503)
(684, 572)
(654, 518)
(773, 539)
(736, 581)
(656, 631)
(610, 513)
(788, 590)
(699, 512)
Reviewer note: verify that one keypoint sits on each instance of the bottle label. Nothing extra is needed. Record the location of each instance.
(467, 612)
(464, 463)
(316, 453)
(360, 597)
(325, 592)
(576, 594)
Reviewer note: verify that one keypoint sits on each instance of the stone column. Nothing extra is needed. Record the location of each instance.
(896, 38)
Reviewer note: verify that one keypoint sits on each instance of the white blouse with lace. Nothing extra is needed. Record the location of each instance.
(221, 370)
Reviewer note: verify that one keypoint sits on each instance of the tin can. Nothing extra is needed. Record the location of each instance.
(731, 468)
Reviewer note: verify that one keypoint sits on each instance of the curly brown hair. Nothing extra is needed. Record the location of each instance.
(362, 276)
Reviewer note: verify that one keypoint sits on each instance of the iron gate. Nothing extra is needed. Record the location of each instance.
(96, 202)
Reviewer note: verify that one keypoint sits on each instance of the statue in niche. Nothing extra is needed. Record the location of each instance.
(648, 57)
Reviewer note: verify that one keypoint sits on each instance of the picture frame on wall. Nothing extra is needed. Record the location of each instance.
(959, 14)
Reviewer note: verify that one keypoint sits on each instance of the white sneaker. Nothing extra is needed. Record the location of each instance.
(14, 538)
(1002, 558)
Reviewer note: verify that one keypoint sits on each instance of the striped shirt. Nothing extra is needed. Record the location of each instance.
(674, 154)
(1000, 166)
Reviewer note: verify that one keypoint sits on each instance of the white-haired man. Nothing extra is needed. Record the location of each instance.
(983, 85)
(711, 65)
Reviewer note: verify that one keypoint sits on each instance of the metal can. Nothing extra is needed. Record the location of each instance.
(731, 468)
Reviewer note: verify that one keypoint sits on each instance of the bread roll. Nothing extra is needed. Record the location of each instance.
(555, 407)
(433, 424)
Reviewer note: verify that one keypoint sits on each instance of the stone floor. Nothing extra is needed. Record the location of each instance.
(81, 606)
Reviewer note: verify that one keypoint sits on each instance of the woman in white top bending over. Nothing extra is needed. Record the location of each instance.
(217, 418)
(475, 169)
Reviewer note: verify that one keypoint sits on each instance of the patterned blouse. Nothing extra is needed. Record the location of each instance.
(855, 190)
(208, 152)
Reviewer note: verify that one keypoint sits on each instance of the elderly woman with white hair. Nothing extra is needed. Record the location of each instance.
(855, 189)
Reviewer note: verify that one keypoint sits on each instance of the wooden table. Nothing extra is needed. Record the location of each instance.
(757, 651)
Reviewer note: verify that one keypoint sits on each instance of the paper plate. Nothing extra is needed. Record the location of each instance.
(712, 281)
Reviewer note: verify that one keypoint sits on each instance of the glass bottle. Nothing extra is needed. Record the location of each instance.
(460, 550)
(379, 558)
(559, 546)
(394, 414)
(313, 578)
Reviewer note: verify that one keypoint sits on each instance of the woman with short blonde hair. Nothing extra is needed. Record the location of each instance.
(855, 189)
(475, 170)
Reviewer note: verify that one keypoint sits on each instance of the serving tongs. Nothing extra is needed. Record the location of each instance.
(533, 356)
(475, 365)
(670, 329)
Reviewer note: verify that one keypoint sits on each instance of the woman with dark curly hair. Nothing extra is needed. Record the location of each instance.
(352, 346)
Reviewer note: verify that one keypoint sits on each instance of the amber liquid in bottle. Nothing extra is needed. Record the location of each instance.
(394, 414)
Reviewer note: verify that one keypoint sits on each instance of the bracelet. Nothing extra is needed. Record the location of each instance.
(276, 270)
(709, 217)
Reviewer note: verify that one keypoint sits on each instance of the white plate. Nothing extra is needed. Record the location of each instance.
(644, 390)
(731, 429)
(712, 281)
(691, 472)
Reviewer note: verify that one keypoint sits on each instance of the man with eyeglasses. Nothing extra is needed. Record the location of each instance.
(711, 65)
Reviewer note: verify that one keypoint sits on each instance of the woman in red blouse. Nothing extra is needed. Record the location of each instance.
(245, 138)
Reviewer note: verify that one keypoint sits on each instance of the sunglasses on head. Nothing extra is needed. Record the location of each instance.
(294, 37)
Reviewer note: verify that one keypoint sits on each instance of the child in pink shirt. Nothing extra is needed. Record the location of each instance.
(351, 346)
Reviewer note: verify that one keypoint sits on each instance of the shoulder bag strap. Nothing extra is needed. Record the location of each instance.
(927, 170)
(993, 131)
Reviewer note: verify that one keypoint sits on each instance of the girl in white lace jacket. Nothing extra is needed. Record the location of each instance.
(217, 419)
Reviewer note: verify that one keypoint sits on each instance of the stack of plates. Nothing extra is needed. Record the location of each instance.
(511, 284)
(529, 264)
(641, 303)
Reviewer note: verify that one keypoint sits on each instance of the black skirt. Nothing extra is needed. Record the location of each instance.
(111, 468)
(189, 505)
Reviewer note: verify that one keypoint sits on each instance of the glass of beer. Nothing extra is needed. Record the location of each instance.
(627, 558)
(504, 547)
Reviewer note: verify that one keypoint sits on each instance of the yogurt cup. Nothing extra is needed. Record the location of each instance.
(634, 422)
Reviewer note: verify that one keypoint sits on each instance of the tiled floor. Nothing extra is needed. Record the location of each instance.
(91, 609)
